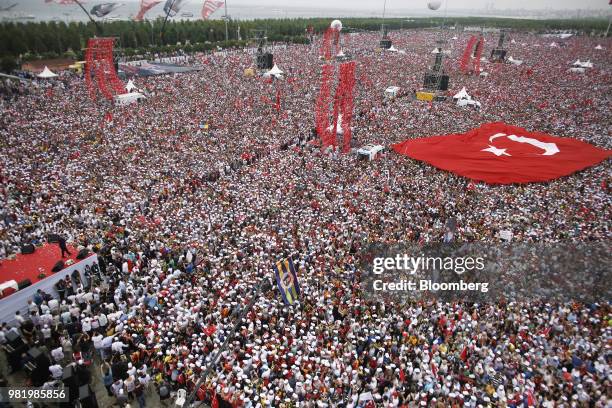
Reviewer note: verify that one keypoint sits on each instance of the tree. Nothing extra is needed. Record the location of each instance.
(8, 64)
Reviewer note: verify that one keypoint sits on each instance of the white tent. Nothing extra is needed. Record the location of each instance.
(464, 99)
(462, 94)
(578, 70)
(582, 64)
(393, 49)
(454, 38)
(484, 74)
(46, 73)
(436, 50)
(468, 102)
(553, 44)
(599, 47)
(514, 61)
(392, 91)
(276, 71)
(341, 54)
(512, 41)
(130, 86)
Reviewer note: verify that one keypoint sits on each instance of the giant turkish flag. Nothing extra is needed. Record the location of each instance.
(497, 153)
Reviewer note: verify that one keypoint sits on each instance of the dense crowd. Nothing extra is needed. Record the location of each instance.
(190, 197)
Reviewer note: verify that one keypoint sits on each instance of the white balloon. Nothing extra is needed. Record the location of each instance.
(434, 4)
(336, 25)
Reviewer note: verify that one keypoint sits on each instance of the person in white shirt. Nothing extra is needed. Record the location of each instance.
(131, 370)
(57, 354)
(118, 346)
(97, 343)
(46, 332)
(107, 343)
(18, 319)
(116, 387)
(102, 320)
(56, 371)
(86, 324)
(130, 385)
(32, 307)
(53, 305)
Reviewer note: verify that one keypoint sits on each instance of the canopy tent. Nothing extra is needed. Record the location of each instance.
(599, 47)
(514, 61)
(455, 38)
(392, 49)
(392, 91)
(582, 64)
(468, 102)
(578, 70)
(130, 86)
(464, 99)
(462, 94)
(553, 44)
(276, 70)
(46, 73)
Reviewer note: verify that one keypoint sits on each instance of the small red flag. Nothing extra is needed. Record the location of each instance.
(215, 402)
(463, 355)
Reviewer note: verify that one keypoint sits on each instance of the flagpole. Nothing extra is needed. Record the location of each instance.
(89, 15)
(161, 34)
(226, 31)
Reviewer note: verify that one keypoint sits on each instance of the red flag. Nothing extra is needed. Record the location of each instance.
(210, 330)
(210, 6)
(278, 99)
(463, 355)
(145, 5)
(434, 368)
(497, 153)
(108, 117)
(530, 399)
(402, 375)
(215, 403)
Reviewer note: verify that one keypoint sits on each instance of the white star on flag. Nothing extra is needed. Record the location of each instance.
(496, 151)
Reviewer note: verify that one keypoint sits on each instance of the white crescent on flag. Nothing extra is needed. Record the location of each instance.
(210, 6)
(550, 149)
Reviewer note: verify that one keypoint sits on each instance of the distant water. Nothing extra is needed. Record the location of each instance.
(38, 10)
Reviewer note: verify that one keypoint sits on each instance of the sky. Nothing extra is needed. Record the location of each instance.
(251, 9)
(462, 4)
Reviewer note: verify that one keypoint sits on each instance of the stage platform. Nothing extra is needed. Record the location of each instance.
(30, 267)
